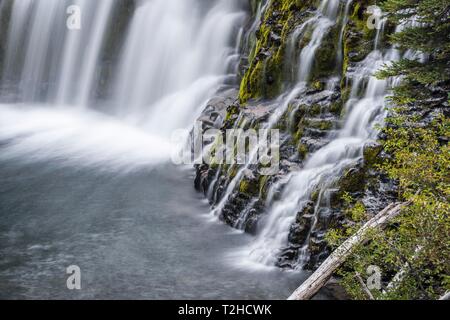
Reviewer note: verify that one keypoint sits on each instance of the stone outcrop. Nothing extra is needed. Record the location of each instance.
(309, 123)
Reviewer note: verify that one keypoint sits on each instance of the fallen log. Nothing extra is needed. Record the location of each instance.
(320, 277)
(446, 296)
(399, 276)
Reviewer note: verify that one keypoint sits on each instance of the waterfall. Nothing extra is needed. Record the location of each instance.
(173, 56)
(320, 23)
(15, 37)
(169, 61)
(53, 62)
(324, 18)
(341, 33)
(156, 77)
(90, 49)
(323, 167)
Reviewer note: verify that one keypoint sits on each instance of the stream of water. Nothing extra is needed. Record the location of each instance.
(86, 179)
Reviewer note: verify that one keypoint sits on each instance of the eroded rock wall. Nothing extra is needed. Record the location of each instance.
(310, 122)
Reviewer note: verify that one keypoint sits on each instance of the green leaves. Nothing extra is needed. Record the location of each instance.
(417, 243)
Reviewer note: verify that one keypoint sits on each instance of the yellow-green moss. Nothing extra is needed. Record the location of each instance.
(248, 187)
(302, 150)
(264, 77)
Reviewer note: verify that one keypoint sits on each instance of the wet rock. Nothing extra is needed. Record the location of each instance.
(371, 153)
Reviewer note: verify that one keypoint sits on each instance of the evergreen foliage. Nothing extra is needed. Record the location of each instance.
(413, 253)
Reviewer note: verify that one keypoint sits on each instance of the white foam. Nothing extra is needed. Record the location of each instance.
(80, 138)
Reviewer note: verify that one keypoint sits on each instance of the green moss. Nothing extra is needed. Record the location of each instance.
(315, 195)
(319, 124)
(232, 171)
(336, 107)
(318, 85)
(248, 187)
(352, 181)
(263, 186)
(371, 153)
(299, 133)
(302, 150)
(231, 111)
(264, 77)
(325, 57)
(314, 110)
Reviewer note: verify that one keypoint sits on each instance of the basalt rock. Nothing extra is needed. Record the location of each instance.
(311, 121)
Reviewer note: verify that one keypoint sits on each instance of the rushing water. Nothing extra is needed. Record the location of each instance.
(323, 167)
(85, 177)
(85, 144)
(274, 231)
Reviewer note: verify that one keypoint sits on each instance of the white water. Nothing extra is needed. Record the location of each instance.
(323, 20)
(323, 167)
(49, 61)
(171, 63)
(319, 23)
(168, 85)
(341, 33)
(91, 50)
(284, 103)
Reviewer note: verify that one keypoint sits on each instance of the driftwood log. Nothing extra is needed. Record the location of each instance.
(320, 277)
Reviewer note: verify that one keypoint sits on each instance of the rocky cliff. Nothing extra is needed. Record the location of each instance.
(309, 120)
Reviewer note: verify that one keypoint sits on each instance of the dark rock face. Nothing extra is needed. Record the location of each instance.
(312, 119)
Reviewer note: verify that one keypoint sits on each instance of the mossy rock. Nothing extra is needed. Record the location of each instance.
(264, 182)
(264, 76)
(232, 111)
(302, 150)
(318, 85)
(371, 153)
(315, 195)
(314, 110)
(336, 107)
(325, 57)
(299, 113)
(299, 133)
(249, 187)
(319, 124)
(353, 180)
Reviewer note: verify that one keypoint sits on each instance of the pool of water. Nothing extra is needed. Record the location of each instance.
(144, 234)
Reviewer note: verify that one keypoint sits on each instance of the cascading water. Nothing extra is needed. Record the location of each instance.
(171, 63)
(323, 19)
(74, 45)
(167, 77)
(341, 33)
(323, 167)
(113, 208)
(173, 56)
(48, 61)
(343, 147)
